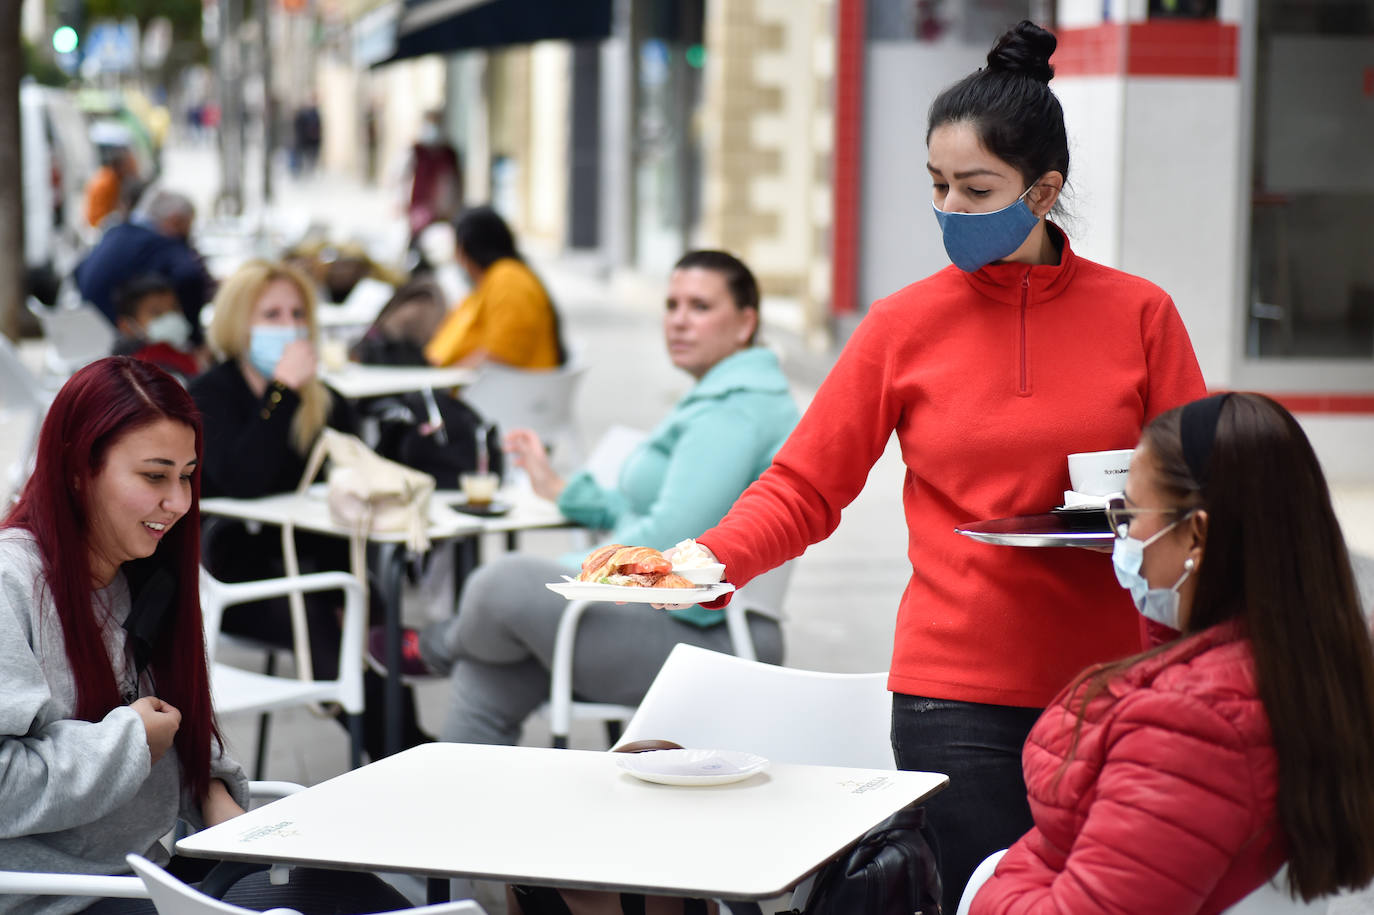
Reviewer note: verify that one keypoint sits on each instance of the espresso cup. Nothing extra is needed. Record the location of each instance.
(479, 488)
(1099, 473)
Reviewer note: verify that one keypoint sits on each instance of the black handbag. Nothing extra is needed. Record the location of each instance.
(891, 871)
(407, 435)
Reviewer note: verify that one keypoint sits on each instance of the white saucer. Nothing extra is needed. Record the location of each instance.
(692, 767)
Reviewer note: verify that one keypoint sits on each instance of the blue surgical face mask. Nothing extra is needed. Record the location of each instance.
(974, 240)
(171, 327)
(1158, 604)
(267, 343)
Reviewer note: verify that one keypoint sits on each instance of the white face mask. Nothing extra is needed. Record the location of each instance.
(1158, 604)
(171, 327)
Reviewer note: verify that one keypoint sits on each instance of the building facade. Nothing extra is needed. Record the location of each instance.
(1217, 149)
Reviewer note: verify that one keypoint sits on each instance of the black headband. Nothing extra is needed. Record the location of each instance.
(1197, 430)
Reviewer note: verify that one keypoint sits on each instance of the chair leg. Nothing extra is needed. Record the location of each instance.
(264, 722)
(612, 732)
(560, 742)
(355, 740)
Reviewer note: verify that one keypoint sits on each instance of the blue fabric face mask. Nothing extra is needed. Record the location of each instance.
(1158, 604)
(266, 345)
(974, 240)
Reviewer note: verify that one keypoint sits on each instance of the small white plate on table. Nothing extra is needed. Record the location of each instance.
(692, 767)
(591, 590)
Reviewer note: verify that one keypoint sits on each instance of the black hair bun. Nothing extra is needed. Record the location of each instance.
(1024, 49)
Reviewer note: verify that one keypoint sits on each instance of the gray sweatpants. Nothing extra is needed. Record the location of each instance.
(500, 648)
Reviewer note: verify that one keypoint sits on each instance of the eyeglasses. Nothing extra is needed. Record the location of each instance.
(1120, 516)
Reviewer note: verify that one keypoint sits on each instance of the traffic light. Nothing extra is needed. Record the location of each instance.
(65, 40)
(71, 21)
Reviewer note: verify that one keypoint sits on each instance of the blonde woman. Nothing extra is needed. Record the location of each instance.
(263, 406)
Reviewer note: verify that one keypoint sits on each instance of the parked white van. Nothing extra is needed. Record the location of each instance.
(59, 160)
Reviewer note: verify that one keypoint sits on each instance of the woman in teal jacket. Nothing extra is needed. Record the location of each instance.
(682, 479)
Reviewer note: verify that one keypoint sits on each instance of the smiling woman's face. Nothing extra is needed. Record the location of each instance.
(142, 490)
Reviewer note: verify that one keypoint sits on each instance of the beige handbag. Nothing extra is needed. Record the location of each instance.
(368, 494)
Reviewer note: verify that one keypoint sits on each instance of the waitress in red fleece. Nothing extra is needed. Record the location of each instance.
(991, 372)
(1179, 780)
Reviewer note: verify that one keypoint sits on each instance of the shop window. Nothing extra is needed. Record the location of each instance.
(1312, 207)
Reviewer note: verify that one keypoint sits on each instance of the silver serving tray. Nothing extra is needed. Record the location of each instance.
(1034, 530)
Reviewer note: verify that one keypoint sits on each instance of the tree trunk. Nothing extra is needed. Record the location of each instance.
(11, 175)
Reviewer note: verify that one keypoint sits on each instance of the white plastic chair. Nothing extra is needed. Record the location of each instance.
(763, 596)
(47, 884)
(25, 399)
(711, 700)
(541, 400)
(980, 875)
(1270, 899)
(172, 897)
(75, 335)
(238, 691)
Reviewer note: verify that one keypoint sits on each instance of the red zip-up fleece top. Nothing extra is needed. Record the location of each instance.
(1169, 801)
(990, 379)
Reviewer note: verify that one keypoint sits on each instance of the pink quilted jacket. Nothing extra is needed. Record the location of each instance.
(1168, 804)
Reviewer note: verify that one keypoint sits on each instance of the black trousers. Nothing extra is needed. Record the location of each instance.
(978, 746)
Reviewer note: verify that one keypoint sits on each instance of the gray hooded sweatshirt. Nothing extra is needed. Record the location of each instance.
(76, 796)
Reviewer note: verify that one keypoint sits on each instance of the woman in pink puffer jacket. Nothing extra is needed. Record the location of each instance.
(1180, 780)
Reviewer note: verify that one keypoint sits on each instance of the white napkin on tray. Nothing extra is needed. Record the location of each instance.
(1074, 499)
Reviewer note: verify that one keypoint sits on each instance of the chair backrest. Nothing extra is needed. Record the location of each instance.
(541, 400)
(22, 393)
(1272, 898)
(706, 699)
(172, 897)
(980, 875)
(610, 453)
(216, 595)
(20, 388)
(76, 335)
(765, 594)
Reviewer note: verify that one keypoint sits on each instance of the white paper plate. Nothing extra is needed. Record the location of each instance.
(692, 767)
(590, 590)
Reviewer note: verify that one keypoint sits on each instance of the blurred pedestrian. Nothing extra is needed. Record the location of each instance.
(307, 134)
(436, 177)
(108, 190)
(158, 241)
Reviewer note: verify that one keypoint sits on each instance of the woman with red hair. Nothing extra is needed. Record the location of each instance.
(107, 735)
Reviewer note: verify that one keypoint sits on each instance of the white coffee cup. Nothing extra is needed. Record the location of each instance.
(1099, 473)
(480, 488)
